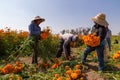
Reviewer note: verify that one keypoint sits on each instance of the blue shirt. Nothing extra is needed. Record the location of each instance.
(34, 29)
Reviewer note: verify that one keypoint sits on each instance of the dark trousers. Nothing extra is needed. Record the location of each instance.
(100, 55)
(34, 44)
(60, 49)
(35, 53)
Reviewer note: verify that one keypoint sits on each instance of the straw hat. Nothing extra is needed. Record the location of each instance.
(38, 18)
(100, 19)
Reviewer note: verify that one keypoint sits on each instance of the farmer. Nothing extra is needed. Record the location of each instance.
(34, 35)
(99, 29)
(108, 37)
(65, 40)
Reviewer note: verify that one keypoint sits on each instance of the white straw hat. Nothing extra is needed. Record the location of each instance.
(38, 18)
(100, 19)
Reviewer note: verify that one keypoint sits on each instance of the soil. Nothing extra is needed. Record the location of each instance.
(91, 69)
(92, 72)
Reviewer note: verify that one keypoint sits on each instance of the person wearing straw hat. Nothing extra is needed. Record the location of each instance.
(99, 29)
(34, 33)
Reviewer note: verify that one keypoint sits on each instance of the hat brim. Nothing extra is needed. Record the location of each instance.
(42, 19)
(100, 22)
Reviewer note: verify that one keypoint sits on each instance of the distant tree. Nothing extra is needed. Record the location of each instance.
(72, 31)
(80, 30)
(67, 31)
(63, 31)
(86, 31)
(77, 30)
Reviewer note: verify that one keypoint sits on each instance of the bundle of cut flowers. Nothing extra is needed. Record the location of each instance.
(91, 40)
(45, 33)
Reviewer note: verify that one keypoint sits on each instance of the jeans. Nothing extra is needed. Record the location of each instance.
(100, 55)
(60, 49)
(34, 45)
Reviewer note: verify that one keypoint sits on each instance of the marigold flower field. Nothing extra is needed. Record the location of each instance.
(13, 45)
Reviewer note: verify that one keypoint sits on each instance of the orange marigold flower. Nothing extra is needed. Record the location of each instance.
(78, 71)
(69, 72)
(68, 79)
(94, 55)
(57, 75)
(78, 66)
(67, 67)
(45, 34)
(60, 78)
(74, 75)
(116, 55)
(91, 40)
(46, 65)
(55, 66)
(82, 78)
(59, 63)
(19, 78)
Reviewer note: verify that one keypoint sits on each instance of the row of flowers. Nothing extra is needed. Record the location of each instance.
(22, 34)
(72, 74)
(9, 68)
(69, 74)
(116, 55)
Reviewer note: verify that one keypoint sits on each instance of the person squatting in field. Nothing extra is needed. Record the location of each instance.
(34, 35)
(99, 29)
(64, 44)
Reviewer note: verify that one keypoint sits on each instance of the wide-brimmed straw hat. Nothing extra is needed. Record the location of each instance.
(38, 18)
(100, 19)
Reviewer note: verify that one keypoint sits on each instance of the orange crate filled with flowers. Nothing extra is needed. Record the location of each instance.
(91, 40)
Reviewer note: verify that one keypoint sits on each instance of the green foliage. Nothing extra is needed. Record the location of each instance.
(14, 44)
(48, 48)
(10, 41)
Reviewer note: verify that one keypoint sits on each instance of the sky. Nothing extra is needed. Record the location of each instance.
(58, 14)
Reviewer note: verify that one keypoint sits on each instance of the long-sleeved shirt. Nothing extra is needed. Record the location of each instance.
(109, 33)
(67, 38)
(34, 29)
(100, 31)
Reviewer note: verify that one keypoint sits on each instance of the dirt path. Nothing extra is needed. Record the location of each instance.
(92, 73)
(26, 60)
(91, 70)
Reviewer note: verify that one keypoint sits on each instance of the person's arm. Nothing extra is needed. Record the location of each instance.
(102, 33)
(66, 42)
